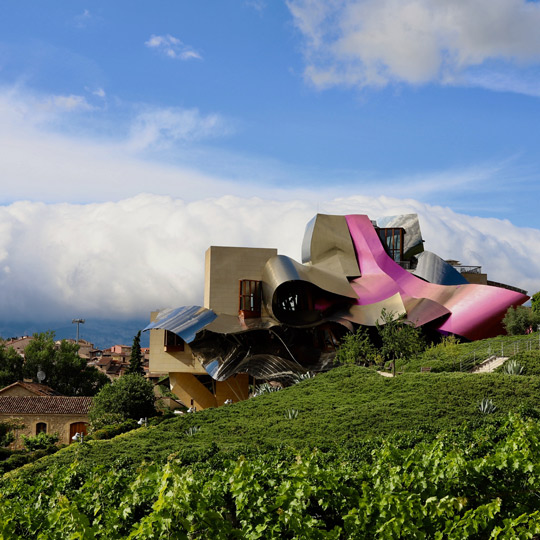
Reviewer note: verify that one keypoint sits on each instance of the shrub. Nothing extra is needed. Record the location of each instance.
(39, 441)
(108, 432)
(400, 339)
(357, 349)
(519, 320)
(129, 396)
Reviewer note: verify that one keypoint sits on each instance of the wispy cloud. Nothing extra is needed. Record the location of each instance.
(378, 42)
(82, 19)
(162, 127)
(172, 47)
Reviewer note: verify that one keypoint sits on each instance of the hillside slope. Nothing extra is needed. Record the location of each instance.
(337, 408)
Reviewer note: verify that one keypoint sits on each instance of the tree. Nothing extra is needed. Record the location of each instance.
(518, 320)
(11, 366)
(357, 349)
(535, 303)
(135, 361)
(130, 396)
(400, 339)
(7, 429)
(65, 370)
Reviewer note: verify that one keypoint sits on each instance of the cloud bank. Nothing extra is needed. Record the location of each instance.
(124, 259)
(377, 42)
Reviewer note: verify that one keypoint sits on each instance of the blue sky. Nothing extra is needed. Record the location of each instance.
(304, 104)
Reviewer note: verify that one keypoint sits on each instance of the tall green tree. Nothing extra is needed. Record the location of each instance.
(519, 319)
(136, 359)
(400, 339)
(11, 366)
(535, 303)
(129, 396)
(65, 370)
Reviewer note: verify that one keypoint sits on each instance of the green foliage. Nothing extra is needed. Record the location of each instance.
(342, 407)
(400, 340)
(105, 420)
(130, 396)
(66, 372)
(39, 441)
(357, 349)
(136, 359)
(535, 303)
(11, 366)
(6, 431)
(518, 320)
(110, 431)
(528, 360)
(468, 484)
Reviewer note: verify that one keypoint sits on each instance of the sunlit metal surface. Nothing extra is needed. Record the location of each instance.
(475, 310)
(432, 268)
(412, 242)
(184, 321)
(328, 245)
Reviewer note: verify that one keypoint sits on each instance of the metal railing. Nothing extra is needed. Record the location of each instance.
(500, 348)
(469, 269)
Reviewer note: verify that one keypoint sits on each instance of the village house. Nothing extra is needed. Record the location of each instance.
(42, 410)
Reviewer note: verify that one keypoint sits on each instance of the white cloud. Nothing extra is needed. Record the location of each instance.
(172, 47)
(164, 126)
(126, 258)
(377, 42)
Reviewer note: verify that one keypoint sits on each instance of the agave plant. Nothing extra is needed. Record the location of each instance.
(291, 414)
(486, 406)
(513, 367)
(265, 388)
(191, 431)
(299, 377)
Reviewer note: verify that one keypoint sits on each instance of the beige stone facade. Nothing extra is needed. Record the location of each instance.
(66, 425)
(224, 268)
(64, 415)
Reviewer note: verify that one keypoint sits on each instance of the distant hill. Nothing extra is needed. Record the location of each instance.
(102, 333)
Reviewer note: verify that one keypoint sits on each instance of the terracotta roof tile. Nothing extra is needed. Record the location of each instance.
(44, 405)
(35, 388)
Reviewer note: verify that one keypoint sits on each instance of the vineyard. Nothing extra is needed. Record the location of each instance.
(363, 457)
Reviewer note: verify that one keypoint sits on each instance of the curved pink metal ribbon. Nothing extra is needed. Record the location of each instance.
(476, 311)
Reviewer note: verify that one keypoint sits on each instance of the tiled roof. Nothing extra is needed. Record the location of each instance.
(44, 405)
(35, 388)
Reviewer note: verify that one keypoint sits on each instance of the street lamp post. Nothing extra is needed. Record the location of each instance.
(77, 322)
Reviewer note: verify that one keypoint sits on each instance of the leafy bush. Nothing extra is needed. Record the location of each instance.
(400, 339)
(39, 441)
(528, 360)
(7, 429)
(518, 320)
(105, 420)
(108, 432)
(129, 396)
(357, 349)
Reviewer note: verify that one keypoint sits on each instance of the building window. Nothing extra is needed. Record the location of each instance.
(173, 342)
(249, 298)
(41, 427)
(392, 240)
